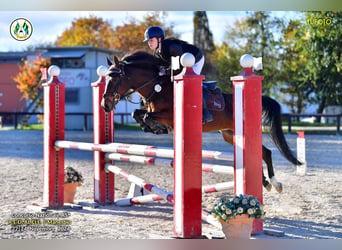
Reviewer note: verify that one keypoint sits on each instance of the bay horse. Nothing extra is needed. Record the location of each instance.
(139, 72)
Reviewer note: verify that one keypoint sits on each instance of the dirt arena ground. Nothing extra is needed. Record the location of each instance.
(310, 206)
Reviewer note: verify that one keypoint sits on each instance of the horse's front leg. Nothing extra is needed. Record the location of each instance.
(138, 116)
(153, 120)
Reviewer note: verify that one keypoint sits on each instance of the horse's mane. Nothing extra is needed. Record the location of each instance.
(141, 58)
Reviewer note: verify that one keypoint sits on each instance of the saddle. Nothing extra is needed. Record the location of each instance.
(213, 96)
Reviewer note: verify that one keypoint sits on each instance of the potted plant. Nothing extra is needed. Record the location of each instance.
(236, 215)
(72, 179)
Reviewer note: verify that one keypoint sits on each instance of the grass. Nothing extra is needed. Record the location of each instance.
(38, 126)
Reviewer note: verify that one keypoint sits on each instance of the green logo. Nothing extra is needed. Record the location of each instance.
(21, 29)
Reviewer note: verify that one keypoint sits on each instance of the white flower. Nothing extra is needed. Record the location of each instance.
(240, 210)
(252, 202)
(244, 202)
(250, 211)
(228, 211)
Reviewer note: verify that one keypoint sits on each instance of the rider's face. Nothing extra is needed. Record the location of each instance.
(153, 43)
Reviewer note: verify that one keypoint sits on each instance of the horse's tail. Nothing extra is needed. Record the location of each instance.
(272, 117)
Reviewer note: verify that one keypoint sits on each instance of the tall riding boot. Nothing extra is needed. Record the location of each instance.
(207, 116)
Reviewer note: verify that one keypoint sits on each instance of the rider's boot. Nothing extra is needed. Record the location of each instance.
(207, 115)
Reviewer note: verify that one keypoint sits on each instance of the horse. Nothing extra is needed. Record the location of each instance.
(139, 72)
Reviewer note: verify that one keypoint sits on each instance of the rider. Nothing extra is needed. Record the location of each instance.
(165, 48)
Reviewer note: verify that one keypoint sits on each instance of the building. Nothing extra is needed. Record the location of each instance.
(78, 66)
(10, 97)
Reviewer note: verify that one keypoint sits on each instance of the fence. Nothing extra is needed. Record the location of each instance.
(337, 127)
(12, 118)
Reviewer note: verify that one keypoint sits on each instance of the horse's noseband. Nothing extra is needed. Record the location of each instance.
(116, 96)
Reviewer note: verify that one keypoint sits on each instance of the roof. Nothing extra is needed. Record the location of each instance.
(14, 57)
(64, 54)
(72, 51)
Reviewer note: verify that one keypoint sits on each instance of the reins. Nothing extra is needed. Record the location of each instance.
(140, 87)
(117, 96)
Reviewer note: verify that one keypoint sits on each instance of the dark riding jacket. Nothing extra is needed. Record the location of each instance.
(175, 47)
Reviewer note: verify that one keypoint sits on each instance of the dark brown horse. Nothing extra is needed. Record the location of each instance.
(139, 72)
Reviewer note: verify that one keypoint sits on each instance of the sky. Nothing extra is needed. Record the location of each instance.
(47, 25)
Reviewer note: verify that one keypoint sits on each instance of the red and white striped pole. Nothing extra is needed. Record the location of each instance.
(103, 127)
(188, 151)
(248, 133)
(54, 99)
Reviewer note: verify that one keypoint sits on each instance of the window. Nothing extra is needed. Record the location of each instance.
(68, 62)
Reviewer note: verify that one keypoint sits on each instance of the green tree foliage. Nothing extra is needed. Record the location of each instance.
(226, 61)
(203, 39)
(294, 91)
(324, 50)
(312, 60)
(255, 35)
(258, 32)
(92, 31)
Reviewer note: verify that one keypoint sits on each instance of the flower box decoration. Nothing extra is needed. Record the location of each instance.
(72, 179)
(236, 215)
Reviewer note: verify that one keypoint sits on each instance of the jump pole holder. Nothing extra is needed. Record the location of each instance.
(103, 124)
(188, 151)
(54, 108)
(54, 129)
(301, 169)
(247, 114)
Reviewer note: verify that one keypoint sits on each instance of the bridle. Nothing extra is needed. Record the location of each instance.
(116, 96)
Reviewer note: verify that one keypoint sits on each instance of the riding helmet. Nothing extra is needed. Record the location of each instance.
(154, 31)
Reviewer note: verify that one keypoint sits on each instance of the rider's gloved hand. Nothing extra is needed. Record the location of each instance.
(162, 72)
(165, 71)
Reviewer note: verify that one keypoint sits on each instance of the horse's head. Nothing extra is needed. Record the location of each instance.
(115, 88)
(137, 71)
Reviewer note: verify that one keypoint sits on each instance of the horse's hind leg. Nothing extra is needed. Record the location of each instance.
(267, 157)
(228, 136)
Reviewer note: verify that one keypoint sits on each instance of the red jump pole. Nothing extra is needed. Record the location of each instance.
(188, 152)
(103, 124)
(54, 108)
(248, 134)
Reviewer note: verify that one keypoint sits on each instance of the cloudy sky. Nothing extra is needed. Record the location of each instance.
(47, 25)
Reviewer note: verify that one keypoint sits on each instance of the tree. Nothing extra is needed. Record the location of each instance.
(294, 91)
(129, 36)
(226, 61)
(92, 31)
(203, 39)
(323, 46)
(29, 76)
(255, 35)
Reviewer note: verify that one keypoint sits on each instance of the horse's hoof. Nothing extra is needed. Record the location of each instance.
(268, 187)
(279, 187)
